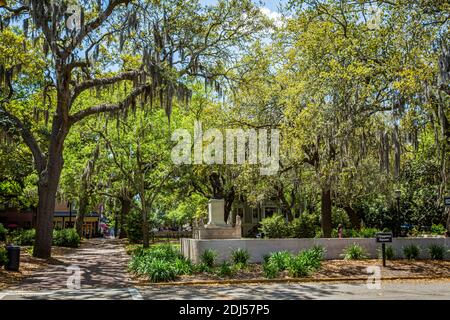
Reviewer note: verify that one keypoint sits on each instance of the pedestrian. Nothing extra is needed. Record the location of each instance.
(340, 229)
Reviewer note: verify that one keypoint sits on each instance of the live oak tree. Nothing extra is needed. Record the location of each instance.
(362, 105)
(78, 48)
(140, 151)
(79, 177)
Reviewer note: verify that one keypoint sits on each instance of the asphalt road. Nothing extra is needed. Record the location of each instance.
(390, 290)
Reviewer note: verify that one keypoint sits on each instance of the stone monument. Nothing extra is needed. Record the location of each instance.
(217, 228)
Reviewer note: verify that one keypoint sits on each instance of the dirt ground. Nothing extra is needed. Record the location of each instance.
(29, 264)
(395, 268)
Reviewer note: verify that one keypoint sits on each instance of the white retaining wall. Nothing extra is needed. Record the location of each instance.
(193, 248)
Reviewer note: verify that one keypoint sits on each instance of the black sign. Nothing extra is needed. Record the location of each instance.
(383, 237)
(447, 201)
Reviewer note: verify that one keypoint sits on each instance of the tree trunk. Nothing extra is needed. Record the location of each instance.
(326, 212)
(125, 210)
(397, 151)
(354, 217)
(82, 210)
(50, 175)
(284, 204)
(229, 199)
(448, 220)
(145, 229)
(47, 187)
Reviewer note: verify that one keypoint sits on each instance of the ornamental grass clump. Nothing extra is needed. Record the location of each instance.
(209, 257)
(161, 271)
(270, 270)
(226, 269)
(314, 257)
(411, 251)
(301, 265)
(183, 266)
(240, 257)
(159, 263)
(306, 262)
(437, 252)
(280, 259)
(354, 252)
(389, 253)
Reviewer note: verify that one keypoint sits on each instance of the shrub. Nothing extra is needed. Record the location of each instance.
(183, 266)
(280, 259)
(3, 232)
(208, 257)
(299, 266)
(354, 252)
(305, 226)
(411, 251)
(306, 261)
(3, 257)
(164, 251)
(159, 270)
(225, 269)
(201, 267)
(240, 256)
(437, 252)
(270, 270)
(314, 257)
(66, 238)
(133, 226)
(25, 238)
(367, 232)
(438, 229)
(389, 253)
(159, 263)
(352, 233)
(274, 227)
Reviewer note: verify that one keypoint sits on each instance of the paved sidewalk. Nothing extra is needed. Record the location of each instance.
(102, 263)
(395, 290)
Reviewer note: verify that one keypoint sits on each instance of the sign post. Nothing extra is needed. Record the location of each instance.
(383, 237)
(447, 201)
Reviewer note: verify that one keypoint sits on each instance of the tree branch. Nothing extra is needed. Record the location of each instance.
(129, 75)
(94, 24)
(27, 137)
(17, 10)
(102, 108)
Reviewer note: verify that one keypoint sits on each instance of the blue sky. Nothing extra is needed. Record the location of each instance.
(269, 4)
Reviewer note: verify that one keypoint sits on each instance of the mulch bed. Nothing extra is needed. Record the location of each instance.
(395, 268)
(334, 269)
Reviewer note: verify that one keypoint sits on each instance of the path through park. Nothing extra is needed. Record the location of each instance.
(102, 264)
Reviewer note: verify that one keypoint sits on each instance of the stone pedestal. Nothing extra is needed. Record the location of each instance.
(216, 228)
(216, 214)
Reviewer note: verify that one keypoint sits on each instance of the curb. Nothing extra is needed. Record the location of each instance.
(293, 280)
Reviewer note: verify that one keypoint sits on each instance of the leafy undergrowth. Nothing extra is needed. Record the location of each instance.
(163, 263)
